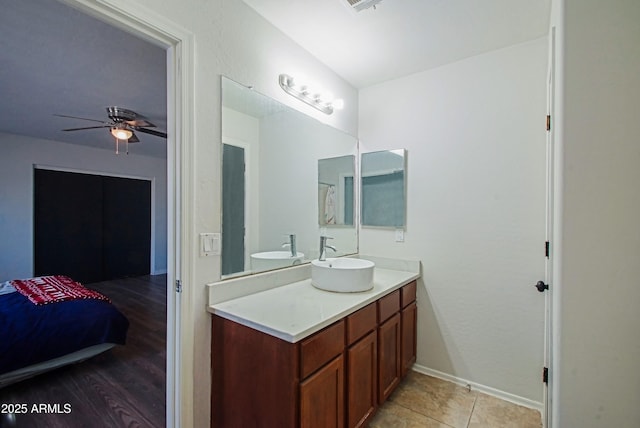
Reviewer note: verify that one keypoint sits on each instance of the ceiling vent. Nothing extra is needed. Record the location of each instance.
(360, 5)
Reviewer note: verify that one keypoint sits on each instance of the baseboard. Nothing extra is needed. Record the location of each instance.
(481, 388)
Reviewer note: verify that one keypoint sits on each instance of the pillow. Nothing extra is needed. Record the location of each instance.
(6, 288)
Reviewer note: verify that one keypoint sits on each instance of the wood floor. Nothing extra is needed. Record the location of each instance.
(123, 387)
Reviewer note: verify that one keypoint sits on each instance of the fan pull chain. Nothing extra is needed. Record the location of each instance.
(118, 146)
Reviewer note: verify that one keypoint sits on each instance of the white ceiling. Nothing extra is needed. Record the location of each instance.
(401, 37)
(56, 60)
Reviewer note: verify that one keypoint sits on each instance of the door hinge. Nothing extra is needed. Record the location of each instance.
(548, 122)
(178, 286)
(546, 249)
(545, 375)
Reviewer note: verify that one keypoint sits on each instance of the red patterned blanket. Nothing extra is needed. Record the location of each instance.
(43, 290)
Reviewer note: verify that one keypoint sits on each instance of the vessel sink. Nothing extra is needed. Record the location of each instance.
(343, 275)
(274, 259)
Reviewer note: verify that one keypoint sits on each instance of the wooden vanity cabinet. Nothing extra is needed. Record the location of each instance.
(362, 366)
(397, 339)
(255, 378)
(408, 323)
(336, 377)
(388, 345)
(322, 397)
(322, 401)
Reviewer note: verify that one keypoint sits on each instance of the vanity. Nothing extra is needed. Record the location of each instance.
(302, 337)
(298, 356)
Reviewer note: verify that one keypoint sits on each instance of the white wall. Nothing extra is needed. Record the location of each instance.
(20, 154)
(596, 288)
(475, 136)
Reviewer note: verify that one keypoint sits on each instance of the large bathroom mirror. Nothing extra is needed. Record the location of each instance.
(383, 188)
(270, 174)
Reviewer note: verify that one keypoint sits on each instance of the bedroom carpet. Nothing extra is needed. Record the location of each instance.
(123, 387)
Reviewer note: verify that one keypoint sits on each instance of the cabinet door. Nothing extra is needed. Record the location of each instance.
(409, 339)
(322, 397)
(388, 357)
(362, 367)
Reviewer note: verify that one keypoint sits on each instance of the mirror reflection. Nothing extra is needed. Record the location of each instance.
(270, 174)
(383, 187)
(335, 191)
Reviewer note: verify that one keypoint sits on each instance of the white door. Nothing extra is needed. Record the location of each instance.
(548, 294)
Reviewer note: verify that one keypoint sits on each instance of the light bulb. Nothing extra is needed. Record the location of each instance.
(121, 133)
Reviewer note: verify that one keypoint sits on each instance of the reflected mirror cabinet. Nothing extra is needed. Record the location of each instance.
(288, 179)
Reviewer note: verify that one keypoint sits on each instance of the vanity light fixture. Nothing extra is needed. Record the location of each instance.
(305, 93)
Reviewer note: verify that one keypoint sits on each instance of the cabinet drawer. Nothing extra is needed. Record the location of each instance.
(408, 294)
(388, 305)
(361, 322)
(321, 348)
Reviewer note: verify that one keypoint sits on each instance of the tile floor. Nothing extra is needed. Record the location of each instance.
(422, 401)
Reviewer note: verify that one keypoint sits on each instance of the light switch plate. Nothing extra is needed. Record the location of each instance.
(399, 235)
(209, 244)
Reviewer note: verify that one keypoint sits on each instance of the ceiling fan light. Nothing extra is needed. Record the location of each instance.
(121, 134)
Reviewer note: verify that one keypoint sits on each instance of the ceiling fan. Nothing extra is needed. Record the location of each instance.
(122, 123)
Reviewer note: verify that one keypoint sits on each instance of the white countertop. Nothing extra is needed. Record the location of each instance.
(294, 311)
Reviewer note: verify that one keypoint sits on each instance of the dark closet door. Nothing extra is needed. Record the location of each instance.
(68, 225)
(126, 227)
(91, 227)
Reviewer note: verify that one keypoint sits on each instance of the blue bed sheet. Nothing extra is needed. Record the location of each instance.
(30, 334)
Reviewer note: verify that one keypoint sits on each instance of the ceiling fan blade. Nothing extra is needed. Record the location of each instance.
(133, 138)
(87, 127)
(152, 132)
(81, 118)
(139, 122)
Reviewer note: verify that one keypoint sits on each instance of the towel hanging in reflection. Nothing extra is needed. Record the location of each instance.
(330, 205)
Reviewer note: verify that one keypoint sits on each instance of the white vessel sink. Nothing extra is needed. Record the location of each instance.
(274, 259)
(343, 275)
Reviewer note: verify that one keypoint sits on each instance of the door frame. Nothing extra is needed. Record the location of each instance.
(179, 44)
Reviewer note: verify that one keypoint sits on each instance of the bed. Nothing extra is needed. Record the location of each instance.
(48, 322)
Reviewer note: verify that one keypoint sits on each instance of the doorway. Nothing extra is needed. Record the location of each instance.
(178, 45)
(233, 209)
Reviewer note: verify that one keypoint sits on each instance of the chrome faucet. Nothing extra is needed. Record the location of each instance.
(324, 246)
(292, 245)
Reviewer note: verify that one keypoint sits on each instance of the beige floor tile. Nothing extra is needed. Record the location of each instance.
(440, 400)
(392, 415)
(491, 412)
